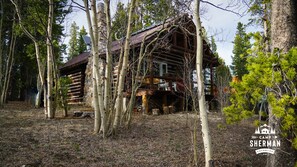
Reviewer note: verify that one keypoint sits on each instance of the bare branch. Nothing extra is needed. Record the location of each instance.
(79, 6)
(221, 8)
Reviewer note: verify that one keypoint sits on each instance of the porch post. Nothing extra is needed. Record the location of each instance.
(145, 103)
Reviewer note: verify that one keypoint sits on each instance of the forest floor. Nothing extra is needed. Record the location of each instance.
(27, 139)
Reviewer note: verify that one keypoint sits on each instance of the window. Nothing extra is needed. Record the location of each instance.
(159, 68)
(163, 69)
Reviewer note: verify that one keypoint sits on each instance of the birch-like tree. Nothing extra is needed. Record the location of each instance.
(96, 75)
(50, 60)
(7, 56)
(120, 88)
(108, 70)
(200, 84)
(39, 27)
(40, 62)
(1, 48)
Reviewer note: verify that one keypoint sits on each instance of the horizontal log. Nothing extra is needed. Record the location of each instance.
(74, 87)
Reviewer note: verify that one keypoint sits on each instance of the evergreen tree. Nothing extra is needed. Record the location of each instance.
(153, 12)
(272, 76)
(34, 16)
(73, 42)
(119, 22)
(267, 73)
(241, 45)
(222, 78)
(213, 44)
(82, 47)
(148, 13)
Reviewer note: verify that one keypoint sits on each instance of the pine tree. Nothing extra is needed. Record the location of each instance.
(32, 17)
(153, 12)
(82, 47)
(271, 77)
(119, 22)
(241, 45)
(148, 13)
(73, 42)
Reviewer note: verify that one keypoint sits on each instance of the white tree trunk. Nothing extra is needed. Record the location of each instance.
(93, 26)
(1, 51)
(98, 22)
(108, 68)
(98, 102)
(8, 68)
(39, 93)
(120, 88)
(50, 61)
(40, 80)
(40, 64)
(200, 82)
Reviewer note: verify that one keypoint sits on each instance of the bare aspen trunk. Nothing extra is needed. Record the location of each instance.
(41, 71)
(120, 88)
(108, 69)
(200, 83)
(39, 92)
(1, 51)
(103, 88)
(135, 85)
(97, 77)
(99, 21)
(40, 64)
(93, 27)
(97, 120)
(135, 78)
(50, 61)
(100, 92)
(8, 67)
(45, 100)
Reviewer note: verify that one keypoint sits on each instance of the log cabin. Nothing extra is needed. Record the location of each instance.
(167, 74)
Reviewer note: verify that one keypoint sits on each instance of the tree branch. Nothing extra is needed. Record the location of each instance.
(221, 8)
(79, 6)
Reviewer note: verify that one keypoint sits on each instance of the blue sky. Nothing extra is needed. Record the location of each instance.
(221, 24)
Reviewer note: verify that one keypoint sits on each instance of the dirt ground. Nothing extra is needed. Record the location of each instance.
(27, 139)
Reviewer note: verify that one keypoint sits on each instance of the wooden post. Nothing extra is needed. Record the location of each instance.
(145, 103)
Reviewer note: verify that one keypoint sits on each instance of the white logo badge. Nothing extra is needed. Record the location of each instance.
(265, 140)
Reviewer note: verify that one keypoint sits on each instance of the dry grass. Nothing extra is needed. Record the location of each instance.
(165, 140)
